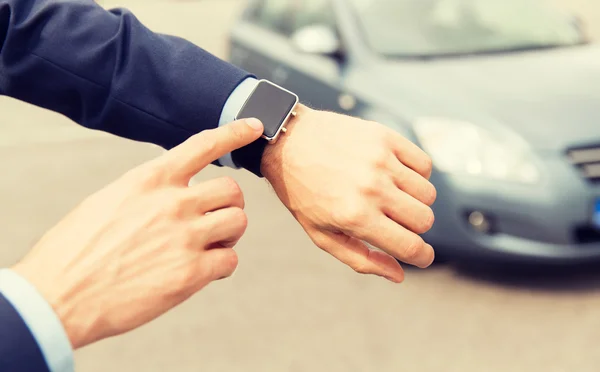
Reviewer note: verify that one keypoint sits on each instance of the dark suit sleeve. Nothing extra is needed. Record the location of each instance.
(19, 351)
(106, 71)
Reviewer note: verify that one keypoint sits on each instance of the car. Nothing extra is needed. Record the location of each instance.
(503, 95)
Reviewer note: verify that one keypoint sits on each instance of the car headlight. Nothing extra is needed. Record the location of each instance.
(463, 148)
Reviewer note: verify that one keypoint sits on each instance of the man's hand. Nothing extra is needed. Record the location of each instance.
(145, 243)
(347, 182)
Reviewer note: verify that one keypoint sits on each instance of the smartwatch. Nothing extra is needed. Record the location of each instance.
(274, 106)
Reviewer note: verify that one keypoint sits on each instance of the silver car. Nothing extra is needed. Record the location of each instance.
(504, 96)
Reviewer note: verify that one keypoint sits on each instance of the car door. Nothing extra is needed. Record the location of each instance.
(263, 45)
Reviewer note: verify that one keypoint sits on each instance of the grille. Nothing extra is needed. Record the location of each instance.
(587, 160)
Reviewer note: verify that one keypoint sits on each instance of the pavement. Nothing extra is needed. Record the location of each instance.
(291, 307)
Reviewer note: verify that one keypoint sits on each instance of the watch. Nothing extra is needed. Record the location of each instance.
(274, 106)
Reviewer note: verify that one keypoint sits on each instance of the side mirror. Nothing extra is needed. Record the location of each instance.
(317, 39)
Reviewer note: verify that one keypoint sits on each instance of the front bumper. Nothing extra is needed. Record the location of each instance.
(550, 222)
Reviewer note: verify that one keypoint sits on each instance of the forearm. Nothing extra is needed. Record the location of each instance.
(106, 71)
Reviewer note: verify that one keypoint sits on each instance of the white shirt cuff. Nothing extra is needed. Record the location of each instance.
(234, 103)
(41, 320)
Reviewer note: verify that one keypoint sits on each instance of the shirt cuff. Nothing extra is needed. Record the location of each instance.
(41, 320)
(233, 105)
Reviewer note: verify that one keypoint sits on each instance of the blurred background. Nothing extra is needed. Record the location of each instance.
(505, 97)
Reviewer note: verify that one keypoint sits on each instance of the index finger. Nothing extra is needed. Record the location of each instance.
(200, 150)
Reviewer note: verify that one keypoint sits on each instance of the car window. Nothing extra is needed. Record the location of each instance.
(429, 28)
(287, 16)
(275, 15)
(313, 12)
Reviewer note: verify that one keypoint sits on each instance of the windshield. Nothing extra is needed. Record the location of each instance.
(414, 28)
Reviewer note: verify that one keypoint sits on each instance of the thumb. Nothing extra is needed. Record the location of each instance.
(200, 150)
(356, 254)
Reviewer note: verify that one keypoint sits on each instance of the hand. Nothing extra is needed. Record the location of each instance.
(349, 181)
(145, 243)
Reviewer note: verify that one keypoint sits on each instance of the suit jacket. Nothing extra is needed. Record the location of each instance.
(19, 351)
(106, 71)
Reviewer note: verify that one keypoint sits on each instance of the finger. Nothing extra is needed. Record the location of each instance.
(411, 155)
(223, 227)
(219, 263)
(215, 194)
(358, 256)
(407, 211)
(412, 183)
(189, 158)
(394, 239)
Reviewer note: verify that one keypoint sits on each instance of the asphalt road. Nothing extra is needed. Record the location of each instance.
(291, 307)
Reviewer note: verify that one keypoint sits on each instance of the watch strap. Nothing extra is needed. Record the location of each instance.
(250, 156)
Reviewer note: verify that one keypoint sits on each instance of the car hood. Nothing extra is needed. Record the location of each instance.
(551, 98)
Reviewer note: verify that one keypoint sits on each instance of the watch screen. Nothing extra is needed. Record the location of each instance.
(271, 105)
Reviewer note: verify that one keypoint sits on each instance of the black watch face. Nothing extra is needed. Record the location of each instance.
(271, 105)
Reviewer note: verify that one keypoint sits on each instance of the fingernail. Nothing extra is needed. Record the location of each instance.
(254, 123)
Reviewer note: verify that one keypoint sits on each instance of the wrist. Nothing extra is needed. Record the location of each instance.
(61, 302)
(273, 158)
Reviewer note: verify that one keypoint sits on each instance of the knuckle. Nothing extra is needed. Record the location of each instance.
(426, 222)
(361, 268)
(229, 183)
(413, 248)
(224, 267)
(236, 131)
(379, 157)
(403, 176)
(175, 205)
(189, 276)
(184, 279)
(370, 187)
(148, 175)
(239, 217)
(320, 241)
(230, 262)
(429, 194)
(155, 177)
(233, 188)
(350, 217)
(190, 235)
(205, 141)
(427, 164)
(393, 140)
(380, 160)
